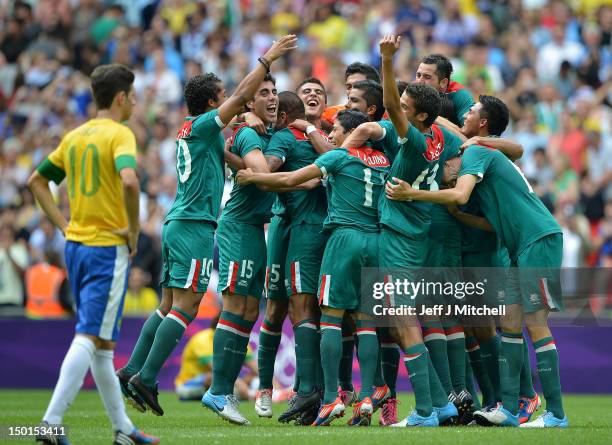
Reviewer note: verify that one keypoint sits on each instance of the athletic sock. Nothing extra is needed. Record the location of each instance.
(144, 342)
(526, 388)
(390, 356)
(225, 342)
(269, 340)
(471, 388)
(439, 397)
(367, 353)
(490, 358)
(455, 345)
(378, 375)
(511, 361)
(168, 335)
(345, 376)
(72, 374)
(103, 372)
(478, 368)
(244, 328)
(331, 350)
(306, 343)
(416, 360)
(435, 341)
(548, 370)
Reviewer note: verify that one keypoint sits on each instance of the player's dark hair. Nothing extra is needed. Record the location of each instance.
(373, 95)
(368, 71)
(291, 104)
(447, 109)
(199, 90)
(312, 80)
(496, 112)
(426, 100)
(401, 86)
(350, 119)
(109, 80)
(444, 68)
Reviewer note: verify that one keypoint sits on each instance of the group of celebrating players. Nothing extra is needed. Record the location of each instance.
(373, 183)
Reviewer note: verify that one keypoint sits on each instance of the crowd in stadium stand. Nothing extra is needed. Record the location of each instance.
(549, 60)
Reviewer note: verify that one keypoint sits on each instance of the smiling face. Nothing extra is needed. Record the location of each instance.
(472, 122)
(338, 133)
(407, 104)
(427, 73)
(313, 96)
(265, 103)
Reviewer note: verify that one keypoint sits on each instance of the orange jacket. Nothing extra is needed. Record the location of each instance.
(43, 282)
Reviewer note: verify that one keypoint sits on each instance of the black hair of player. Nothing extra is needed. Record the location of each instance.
(373, 95)
(312, 80)
(496, 112)
(109, 80)
(444, 68)
(401, 86)
(447, 109)
(426, 100)
(199, 90)
(368, 71)
(291, 104)
(351, 119)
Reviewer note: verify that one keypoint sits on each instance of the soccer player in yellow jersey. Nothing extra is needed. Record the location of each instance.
(99, 160)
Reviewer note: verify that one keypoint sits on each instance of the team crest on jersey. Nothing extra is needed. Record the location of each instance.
(185, 130)
(435, 145)
(369, 156)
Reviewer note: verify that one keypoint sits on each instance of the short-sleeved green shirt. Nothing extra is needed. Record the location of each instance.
(248, 204)
(200, 166)
(507, 199)
(461, 98)
(355, 181)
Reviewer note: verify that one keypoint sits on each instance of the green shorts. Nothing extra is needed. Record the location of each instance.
(187, 252)
(278, 241)
(304, 254)
(242, 258)
(536, 281)
(346, 253)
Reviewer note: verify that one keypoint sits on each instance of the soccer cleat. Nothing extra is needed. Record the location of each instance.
(301, 404)
(547, 420)
(415, 420)
(388, 415)
(447, 415)
(49, 439)
(263, 403)
(225, 406)
(362, 413)
(308, 416)
(136, 437)
(400, 424)
(380, 396)
(149, 395)
(131, 397)
(464, 407)
(291, 399)
(348, 397)
(527, 407)
(329, 412)
(498, 416)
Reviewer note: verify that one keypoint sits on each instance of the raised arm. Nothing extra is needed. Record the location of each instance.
(279, 181)
(402, 191)
(248, 87)
(391, 98)
(369, 131)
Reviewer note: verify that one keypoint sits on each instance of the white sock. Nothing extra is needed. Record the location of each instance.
(72, 374)
(103, 372)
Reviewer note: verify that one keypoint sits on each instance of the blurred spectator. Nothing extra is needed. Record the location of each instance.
(551, 55)
(139, 299)
(13, 263)
(47, 240)
(47, 289)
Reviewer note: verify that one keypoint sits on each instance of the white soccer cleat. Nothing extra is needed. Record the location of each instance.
(401, 423)
(547, 420)
(263, 403)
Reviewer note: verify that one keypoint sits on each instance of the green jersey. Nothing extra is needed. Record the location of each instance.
(461, 98)
(355, 181)
(389, 144)
(417, 163)
(473, 239)
(507, 199)
(248, 204)
(293, 147)
(200, 166)
(443, 224)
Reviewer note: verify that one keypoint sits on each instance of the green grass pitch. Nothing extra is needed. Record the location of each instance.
(188, 423)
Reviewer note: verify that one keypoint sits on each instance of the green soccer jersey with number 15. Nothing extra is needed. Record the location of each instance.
(416, 163)
(355, 180)
(200, 167)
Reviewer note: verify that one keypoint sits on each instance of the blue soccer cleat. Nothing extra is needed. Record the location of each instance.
(547, 420)
(136, 437)
(447, 415)
(499, 416)
(225, 406)
(527, 407)
(414, 420)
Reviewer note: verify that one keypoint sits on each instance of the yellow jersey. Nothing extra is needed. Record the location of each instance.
(91, 156)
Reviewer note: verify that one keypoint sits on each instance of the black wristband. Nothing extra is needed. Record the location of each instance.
(265, 63)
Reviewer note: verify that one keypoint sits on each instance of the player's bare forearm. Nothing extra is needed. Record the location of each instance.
(281, 181)
(443, 122)
(513, 150)
(320, 143)
(234, 161)
(478, 222)
(39, 185)
(131, 198)
(391, 98)
(369, 131)
(448, 196)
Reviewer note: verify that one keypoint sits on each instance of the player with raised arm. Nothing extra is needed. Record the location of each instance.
(188, 233)
(355, 181)
(99, 159)
(535, 242)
